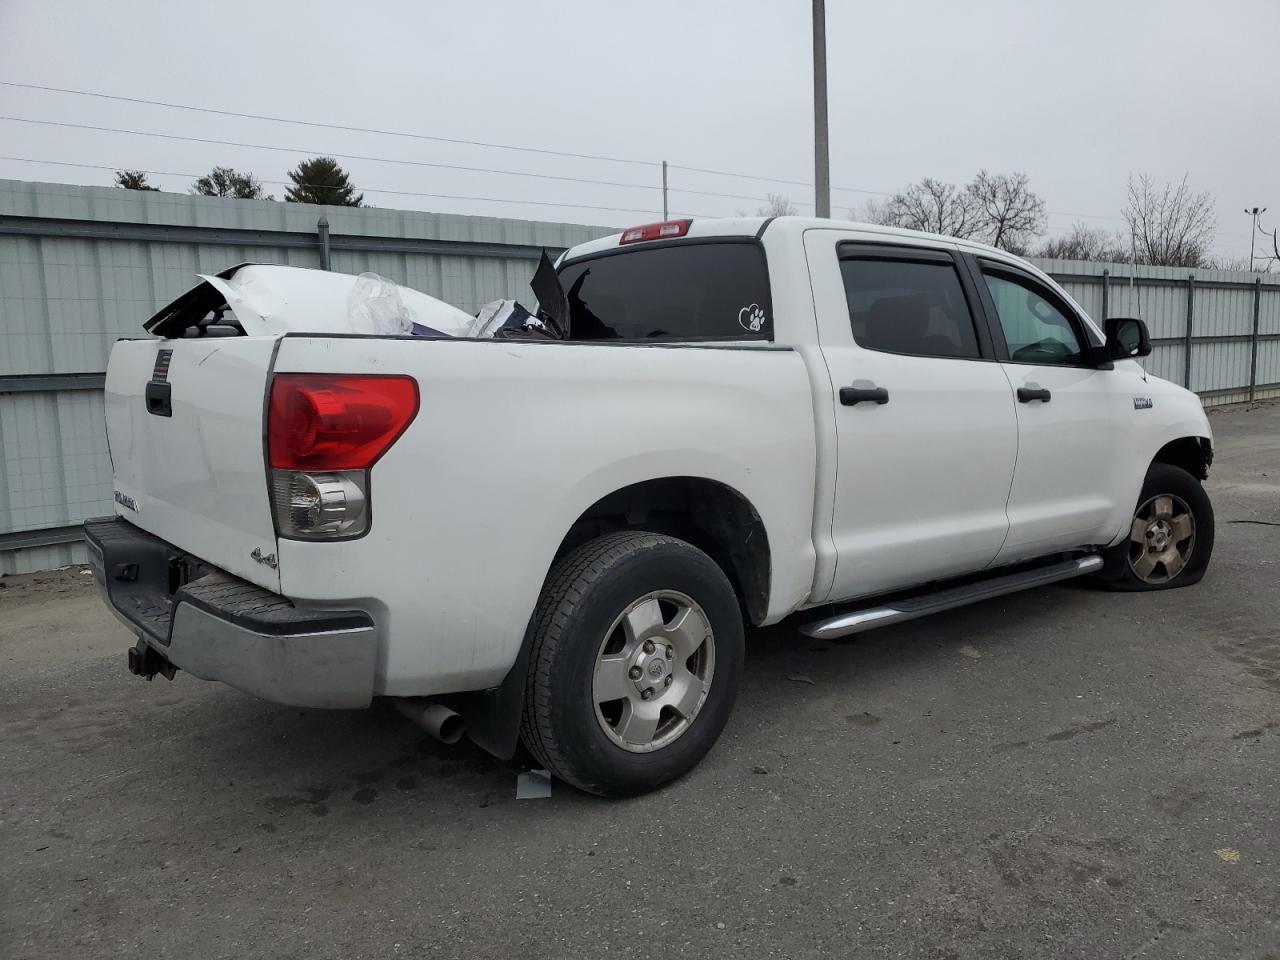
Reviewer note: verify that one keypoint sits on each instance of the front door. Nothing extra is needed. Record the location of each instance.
(1070, 413)
(926, 435)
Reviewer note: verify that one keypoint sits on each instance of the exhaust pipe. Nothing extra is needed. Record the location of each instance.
(435, 718)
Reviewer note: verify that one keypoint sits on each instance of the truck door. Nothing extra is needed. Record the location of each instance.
(926, 434)
(1072, 473)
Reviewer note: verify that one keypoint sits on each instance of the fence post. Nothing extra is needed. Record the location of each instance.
(1186, 360)
(322, 228)
(1253, 343)
(1106, 294)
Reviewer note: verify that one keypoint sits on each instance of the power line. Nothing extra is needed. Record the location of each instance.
(791, 183)
(423, 136)
(327, 153)
(327, 126)
(353, 156)
(403, 193)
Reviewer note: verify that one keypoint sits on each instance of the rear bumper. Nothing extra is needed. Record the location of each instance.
(218, 627)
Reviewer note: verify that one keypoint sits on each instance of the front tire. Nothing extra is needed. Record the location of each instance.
(1170, 538)
(636, 660)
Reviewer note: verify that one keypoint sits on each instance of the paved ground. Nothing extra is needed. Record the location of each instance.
(1064, 773)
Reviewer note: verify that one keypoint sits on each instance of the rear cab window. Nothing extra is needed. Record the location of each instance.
(908, 301)
(684, 290)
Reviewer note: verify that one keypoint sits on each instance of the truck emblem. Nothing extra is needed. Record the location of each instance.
(266, 559)
(1142, 403)
(127, 501)
(751, 318)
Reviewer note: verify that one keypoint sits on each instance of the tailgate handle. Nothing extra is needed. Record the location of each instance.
(158, 398)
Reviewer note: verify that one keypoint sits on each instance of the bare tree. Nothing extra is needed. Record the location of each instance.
(1086, 243)
(929, 205)
(229, 182)
(777, 205)
(1010, 215)
(1170, 225)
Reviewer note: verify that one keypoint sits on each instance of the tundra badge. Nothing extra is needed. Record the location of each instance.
(127, 501)
(267, 559)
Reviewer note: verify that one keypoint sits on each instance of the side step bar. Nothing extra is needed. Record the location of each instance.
(899, 611)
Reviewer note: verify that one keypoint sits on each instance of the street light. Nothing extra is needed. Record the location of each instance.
(1254, 232)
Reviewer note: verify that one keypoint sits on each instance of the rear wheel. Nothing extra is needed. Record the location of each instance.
(1170, 537)
(637, 654)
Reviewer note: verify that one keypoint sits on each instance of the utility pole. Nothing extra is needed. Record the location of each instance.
(1256, 211)
(821, 158)
(664, 189)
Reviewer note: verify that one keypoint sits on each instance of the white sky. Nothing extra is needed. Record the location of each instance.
(1076, 94)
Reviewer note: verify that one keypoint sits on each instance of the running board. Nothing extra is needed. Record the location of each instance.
(899, 611)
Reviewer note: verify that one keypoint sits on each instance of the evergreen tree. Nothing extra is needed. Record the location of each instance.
(321, 180)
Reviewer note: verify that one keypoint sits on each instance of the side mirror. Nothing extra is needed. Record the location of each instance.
(1127, 338)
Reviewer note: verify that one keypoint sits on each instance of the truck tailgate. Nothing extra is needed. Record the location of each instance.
(185, 429)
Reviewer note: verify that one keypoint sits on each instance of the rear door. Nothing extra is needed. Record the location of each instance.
(925, 431)
(184, 426)
(1070, 409)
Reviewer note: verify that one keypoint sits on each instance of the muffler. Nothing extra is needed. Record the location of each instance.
(435, 718)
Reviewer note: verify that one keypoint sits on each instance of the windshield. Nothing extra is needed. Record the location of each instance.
(683, 291)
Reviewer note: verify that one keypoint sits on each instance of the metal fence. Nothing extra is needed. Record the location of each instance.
(81, 267)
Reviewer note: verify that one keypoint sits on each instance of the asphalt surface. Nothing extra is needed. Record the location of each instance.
(1060, 773)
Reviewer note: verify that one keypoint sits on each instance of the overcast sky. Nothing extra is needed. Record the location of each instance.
(1076, 94)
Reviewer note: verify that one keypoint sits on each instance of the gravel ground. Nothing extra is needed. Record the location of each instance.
(1060, 773)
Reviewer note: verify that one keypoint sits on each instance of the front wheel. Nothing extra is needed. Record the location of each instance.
(1170, 537)
(637, 654)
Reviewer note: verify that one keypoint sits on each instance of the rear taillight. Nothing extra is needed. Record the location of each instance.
(324, 433)
(666, 230)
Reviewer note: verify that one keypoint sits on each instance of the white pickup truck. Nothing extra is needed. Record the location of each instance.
(559, 541)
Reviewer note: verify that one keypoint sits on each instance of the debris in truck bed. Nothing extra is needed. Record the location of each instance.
(269, 299)
(263, 299)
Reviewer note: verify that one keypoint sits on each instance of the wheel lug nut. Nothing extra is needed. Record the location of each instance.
(667, 682)
(670, 652)
(648, 646)
(646, 693)
(634, 673)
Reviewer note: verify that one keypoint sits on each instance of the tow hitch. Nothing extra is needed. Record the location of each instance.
(146, 662)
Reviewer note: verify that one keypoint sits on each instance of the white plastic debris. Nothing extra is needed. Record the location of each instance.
(268, 300)
(533, 785)
(502, 314)
(374, 306)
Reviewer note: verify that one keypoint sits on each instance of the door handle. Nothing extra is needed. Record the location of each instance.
(851, 395)
(159, 398)
(1027, 394)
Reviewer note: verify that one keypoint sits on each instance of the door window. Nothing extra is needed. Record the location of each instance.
(914, 307)
(1035, 328)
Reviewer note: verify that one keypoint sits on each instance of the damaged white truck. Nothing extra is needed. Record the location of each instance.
(556, 535)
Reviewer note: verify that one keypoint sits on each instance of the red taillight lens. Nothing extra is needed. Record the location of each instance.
(667, 229)
(320, 421)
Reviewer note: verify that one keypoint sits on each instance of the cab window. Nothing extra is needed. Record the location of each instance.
(1035, 328)
(910, 306)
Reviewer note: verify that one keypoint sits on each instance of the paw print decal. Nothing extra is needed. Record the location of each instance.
(751, 318)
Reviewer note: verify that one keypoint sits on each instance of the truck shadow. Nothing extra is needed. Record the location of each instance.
(293, 768)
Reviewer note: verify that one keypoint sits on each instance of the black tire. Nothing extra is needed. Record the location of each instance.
(584, 595)
(1165, 480)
